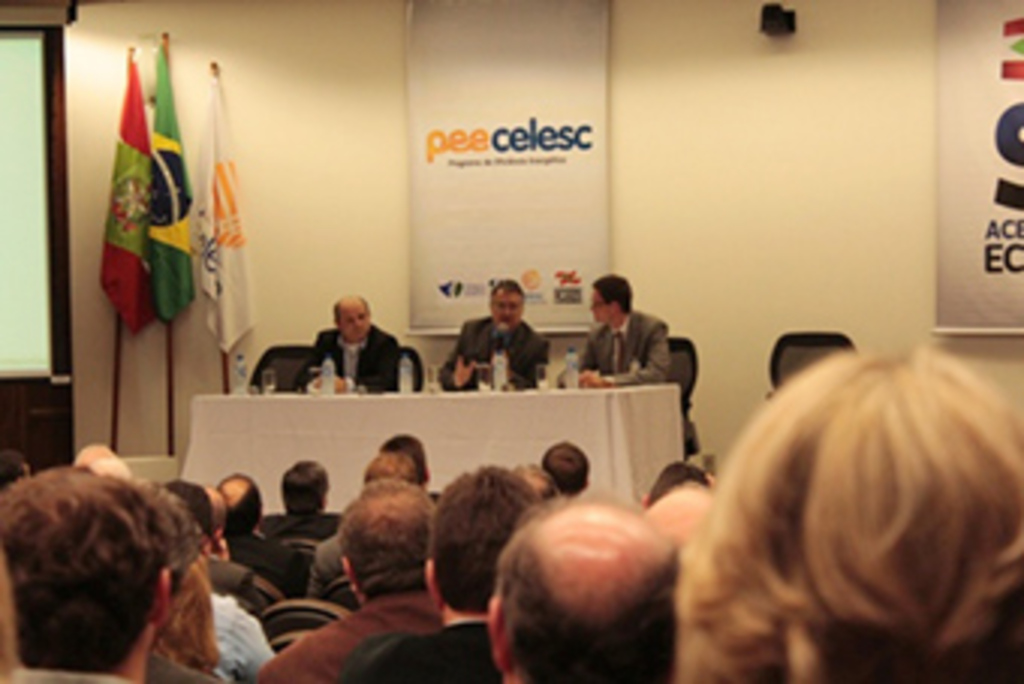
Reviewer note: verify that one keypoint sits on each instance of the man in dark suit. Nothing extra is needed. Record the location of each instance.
(383, 545)
(504, 330)
(304, 491)
(475, 517)
(585, 594)
(285, 568)
(364, 355)
(628, 347)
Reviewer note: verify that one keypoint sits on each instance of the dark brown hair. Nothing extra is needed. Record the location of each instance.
(476, 516)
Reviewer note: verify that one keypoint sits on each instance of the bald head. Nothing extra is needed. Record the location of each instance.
(101, 460)
(585, 594)
(352, 316)
(244, 504)
(677, 514)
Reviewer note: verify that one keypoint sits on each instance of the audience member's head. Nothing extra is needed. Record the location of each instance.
(679, 513)
(101, 460)
(585, 594)
(389, 465)
(196, 500)
(13, 467)
(9, 660)
(568, 467)
(383, 538)
(476, 516)
(244, 504)
(186, 536)
(676, 474)
(538, 479)
(219, 519)
(189, 637)
(89, 561)
(304, 488)
(870, 527)
(413, 448)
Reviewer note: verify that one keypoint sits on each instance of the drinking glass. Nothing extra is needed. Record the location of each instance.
(542, 377)
(484, 381)
(433, 379)
(268, 381)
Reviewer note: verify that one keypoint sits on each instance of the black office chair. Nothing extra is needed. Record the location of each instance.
(795, 351)
(341, 593)
(295, 617)
(289, 363)
(417, 366)
(683, 371)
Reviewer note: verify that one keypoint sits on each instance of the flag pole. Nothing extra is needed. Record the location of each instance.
(117, 383)
(165, 40)
(116, 394)
(224, 372)
(170, 388)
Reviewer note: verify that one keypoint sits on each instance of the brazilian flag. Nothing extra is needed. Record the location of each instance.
(170, 256)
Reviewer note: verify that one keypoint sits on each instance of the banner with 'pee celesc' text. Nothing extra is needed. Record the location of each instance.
(508, 155)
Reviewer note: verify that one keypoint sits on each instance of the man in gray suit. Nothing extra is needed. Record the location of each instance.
(628, 347)
(503, 330)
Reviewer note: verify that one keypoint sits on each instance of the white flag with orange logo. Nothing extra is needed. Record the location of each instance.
(225, 270)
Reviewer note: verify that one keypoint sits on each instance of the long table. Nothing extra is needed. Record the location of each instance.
(629, 434)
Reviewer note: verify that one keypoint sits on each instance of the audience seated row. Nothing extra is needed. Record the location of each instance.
(869, 527)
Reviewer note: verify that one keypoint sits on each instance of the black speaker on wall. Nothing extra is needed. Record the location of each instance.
(777, 21)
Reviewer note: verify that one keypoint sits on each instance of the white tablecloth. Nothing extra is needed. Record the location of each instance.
(629, 434)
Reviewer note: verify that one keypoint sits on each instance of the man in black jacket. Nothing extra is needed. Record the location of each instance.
(285, 568)
(364, 355)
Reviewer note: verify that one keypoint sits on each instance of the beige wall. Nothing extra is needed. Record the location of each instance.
(757, 185)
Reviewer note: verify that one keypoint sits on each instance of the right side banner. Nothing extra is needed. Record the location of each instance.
(981, 167)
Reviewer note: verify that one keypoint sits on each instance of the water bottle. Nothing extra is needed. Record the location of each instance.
(240, 381)
(572, 369)
(327, 371)
(500, 370)
(405, 379)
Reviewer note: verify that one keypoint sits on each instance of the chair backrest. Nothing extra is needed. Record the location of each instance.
(340, 592)
(301, 544)
(417, 366)
(795, 351)
(289, 362)
(269, 592)
(682, 369)
(299, 615)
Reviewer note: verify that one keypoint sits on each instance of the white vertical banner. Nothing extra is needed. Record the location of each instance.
(217, 217)
(508, 156)
(981, 167)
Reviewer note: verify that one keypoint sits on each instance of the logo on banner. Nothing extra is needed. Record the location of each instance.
(531, 137)
(451, 289)
(1004, 250)
(454, 289)
(532, 280)
(569, 289)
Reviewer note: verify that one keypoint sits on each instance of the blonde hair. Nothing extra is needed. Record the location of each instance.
(870, 527)
(189, 637)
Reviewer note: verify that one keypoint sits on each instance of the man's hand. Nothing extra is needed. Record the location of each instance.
(340, 386)
(592, 380)
(463, 371)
